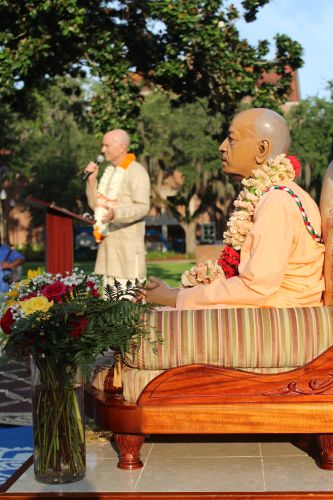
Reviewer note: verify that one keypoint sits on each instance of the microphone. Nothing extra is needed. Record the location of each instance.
(98, 161)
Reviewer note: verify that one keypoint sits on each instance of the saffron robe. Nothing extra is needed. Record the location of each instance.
(281, 265)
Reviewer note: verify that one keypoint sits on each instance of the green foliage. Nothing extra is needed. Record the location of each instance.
(204, 56)
(185, 138)
(189, 47)
(311, 123)
(52, 146)
(7, 127)
(251, 7)
(78, 66)
(43, 39)
(169, 271)
(120, 324)
(169, 255)
(35, 252)
(74, 325)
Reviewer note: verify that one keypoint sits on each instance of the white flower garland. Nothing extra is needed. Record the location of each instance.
(240, 222)
(107, 193)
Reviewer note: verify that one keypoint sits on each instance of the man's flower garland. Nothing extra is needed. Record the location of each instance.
(108, 190)
(240, 223)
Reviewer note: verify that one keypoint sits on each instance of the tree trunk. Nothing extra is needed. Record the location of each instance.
(190, 236)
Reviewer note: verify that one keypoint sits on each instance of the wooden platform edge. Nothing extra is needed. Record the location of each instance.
(304, 495)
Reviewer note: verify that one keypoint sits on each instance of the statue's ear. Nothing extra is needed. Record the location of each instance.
(263, 149)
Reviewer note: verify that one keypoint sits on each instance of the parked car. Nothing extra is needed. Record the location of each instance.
(85, 246)
(156, 241)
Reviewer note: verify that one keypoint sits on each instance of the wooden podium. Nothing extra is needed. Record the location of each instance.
(59, 241)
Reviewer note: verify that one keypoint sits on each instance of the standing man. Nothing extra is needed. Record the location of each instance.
(120, 201)
(10, 260)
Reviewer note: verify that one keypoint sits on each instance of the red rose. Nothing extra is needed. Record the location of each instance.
(7, 321)
(77, 326)
(296, 164)
(229, 261)
(91, 285)
(55, 291)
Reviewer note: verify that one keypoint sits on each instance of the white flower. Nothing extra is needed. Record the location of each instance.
(241, 220)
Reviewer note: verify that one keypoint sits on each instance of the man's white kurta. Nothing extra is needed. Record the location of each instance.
(122, 253)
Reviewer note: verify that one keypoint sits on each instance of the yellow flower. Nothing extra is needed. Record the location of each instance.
(24, 282)
(33, 273)
(13, 293)
(10, 303)
(35, 304)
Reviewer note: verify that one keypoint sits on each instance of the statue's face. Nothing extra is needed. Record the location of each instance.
(239, 150)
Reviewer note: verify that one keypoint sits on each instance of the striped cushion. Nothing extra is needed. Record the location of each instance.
(134, 381)
(238, 338)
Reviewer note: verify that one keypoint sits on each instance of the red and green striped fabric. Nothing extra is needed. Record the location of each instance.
(265, 340)
(238, 338)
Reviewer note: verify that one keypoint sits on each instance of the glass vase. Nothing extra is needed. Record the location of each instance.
(58, 422)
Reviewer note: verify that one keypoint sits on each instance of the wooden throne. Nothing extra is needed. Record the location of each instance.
(203, 398)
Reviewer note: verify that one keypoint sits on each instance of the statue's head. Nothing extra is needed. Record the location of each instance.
(255, 136)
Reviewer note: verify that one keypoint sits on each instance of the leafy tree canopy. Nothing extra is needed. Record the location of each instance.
(189, 47)
(311, 123)
(184, 139)
(52, 146)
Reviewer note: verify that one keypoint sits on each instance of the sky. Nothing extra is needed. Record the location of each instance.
(309, 22)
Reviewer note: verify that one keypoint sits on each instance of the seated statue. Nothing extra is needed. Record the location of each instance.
(273, 234)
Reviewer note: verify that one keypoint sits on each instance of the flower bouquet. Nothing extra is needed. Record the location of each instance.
(226, 266)
(62, 323)
(202, 274)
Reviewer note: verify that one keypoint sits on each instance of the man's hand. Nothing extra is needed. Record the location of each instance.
(93, 169)
(109, 216)
(158, 292)
(6, 265)
(12, 265)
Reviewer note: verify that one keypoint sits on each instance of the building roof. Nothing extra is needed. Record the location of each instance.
(273, 78)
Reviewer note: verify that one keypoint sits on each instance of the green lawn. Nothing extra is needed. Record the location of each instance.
(169, 271)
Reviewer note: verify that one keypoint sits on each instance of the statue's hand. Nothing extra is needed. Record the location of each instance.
(158, 292)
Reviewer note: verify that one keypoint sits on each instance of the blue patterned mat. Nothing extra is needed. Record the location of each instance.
(15, 448)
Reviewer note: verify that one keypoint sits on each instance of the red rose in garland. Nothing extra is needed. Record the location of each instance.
(229, 261)
(7, 321)
(296, 164)
(77, 326)
(54, 291)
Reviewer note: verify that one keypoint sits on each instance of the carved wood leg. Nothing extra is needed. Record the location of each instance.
(129, 446)
(324, 458)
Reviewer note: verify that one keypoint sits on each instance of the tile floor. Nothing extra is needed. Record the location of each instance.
(196, 463)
